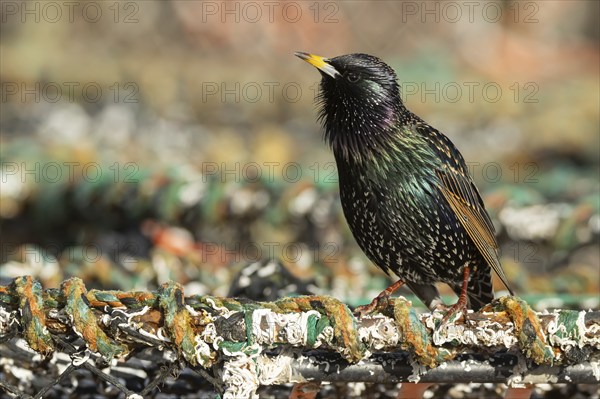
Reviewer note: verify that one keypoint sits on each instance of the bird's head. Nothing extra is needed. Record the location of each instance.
(359, 98)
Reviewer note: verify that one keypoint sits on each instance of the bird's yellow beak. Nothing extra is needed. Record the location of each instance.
(318, 62)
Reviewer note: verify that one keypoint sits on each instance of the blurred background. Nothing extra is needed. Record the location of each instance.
(147, 141)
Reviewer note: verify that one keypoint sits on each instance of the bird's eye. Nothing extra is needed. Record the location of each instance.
(353, 77)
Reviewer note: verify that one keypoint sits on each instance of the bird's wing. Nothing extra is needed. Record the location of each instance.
(463, 197)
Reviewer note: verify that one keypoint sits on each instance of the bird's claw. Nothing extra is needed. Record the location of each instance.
(378, 302)
(459, 306)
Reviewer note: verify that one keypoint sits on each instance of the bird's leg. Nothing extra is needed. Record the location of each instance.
(461, 304)
(383, 295)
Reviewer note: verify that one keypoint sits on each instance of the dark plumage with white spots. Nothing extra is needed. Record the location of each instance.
(404, 187)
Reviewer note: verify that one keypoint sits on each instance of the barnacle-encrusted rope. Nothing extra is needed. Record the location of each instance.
(230, 339)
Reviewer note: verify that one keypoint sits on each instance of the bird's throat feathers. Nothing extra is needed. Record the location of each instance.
(360, 132)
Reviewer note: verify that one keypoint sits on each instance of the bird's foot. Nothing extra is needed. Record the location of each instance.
(451, 311)
(461, 304)
(379, 301)
(375, 304)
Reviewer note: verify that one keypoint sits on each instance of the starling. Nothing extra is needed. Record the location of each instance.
(405, 189)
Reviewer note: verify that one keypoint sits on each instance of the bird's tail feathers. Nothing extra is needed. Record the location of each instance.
(427, 293)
